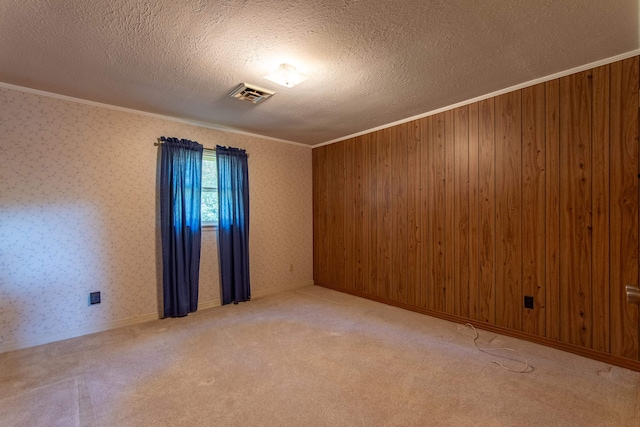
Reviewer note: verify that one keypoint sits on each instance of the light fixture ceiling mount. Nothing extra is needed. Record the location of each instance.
(287, 76)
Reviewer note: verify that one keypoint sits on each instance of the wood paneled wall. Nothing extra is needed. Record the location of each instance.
(463, 213)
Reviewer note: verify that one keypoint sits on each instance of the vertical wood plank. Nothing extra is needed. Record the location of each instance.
(399, 213)
(331, 267)
(358, 226)
(429, 187)
(533, 207)
(317, 207)
(474, 272)
(336, 209)
(339, 214)
(319, 221)
(624, 206)
(508, 210)
(600, 208)
(450, 243)
(373, 214)
(552, 207)
(460, 195)
(414, 232)
(349, 214)
(365, 179)
(437, 283)
(575, 208)
(385, 213)
(487, 211)
(328, 237)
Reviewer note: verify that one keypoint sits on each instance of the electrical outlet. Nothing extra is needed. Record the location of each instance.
(528, 302)
(94, 298)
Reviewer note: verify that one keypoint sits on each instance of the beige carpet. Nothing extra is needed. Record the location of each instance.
(310, 357)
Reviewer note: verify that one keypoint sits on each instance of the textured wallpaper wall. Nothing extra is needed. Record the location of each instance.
(78, 214)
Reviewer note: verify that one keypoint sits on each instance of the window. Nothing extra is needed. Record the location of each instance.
(209, 207)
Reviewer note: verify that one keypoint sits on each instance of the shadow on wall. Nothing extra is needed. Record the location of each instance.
(159, 292)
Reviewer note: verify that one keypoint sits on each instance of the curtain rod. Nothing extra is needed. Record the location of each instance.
(159, 142)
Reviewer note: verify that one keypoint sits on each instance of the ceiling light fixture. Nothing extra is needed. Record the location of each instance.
(287, 75)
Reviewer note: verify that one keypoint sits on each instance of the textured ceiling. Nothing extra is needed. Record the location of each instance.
(371, 62)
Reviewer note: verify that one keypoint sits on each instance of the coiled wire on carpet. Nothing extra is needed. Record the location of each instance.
(488, 351)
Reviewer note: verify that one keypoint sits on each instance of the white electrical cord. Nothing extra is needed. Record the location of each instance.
(488, 351)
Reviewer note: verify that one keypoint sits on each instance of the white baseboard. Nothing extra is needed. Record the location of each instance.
(87, 330)
(209, 304)
(73, 333)
(277, 289)
(258, 294)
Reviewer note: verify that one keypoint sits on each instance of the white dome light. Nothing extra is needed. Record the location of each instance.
(286, 75)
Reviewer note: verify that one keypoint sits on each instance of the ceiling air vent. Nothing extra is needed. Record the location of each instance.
(251, 93)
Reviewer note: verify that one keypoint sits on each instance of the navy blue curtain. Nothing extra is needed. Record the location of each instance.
(233, 224)
(180, 193)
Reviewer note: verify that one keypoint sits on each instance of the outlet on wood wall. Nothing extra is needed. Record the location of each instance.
(464, 213)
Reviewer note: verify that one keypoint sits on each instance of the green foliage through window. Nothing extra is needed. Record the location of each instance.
(209, 208)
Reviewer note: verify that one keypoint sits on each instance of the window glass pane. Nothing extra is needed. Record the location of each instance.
(209, 173)
(209, 209)
(209, 206)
